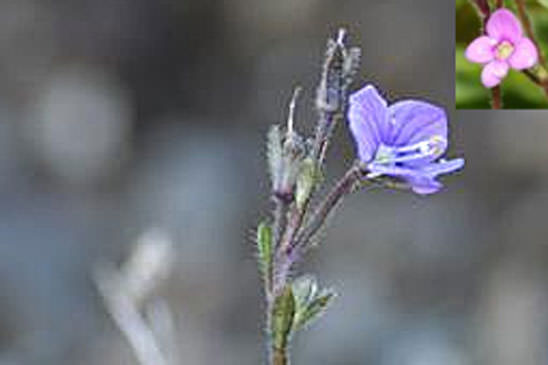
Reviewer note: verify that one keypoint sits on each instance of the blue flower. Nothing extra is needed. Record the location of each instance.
(404, 140)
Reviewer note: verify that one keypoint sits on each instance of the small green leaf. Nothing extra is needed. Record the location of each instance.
(309, 176)
(283, 312)
(309, 303)
(274, 154)
(543, 3)
(316, 308)
(304, 291)
(264, 248)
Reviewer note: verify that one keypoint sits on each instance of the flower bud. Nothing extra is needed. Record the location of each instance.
(339, 67)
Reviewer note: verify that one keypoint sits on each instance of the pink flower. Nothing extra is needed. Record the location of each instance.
(503, 47)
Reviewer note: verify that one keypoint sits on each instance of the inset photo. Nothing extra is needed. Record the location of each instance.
(500, 54)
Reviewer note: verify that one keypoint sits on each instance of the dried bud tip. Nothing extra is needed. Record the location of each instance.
(293, 102)
(341, 37)
(339, 66)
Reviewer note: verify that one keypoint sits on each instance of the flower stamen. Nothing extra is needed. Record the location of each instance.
(504, 50)
(387, 155)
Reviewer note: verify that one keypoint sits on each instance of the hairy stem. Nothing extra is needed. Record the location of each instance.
(326, 125)
(333, 198)
(522, 12)
(496, 101)
(277, 356)
(280, 212)
(328, 121)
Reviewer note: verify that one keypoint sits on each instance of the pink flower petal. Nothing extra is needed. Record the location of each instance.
(480, 50)
(503, 25)
(525, 55)
(493, 73)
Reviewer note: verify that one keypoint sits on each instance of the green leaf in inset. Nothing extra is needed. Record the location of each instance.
(543, 3)
(283, 312)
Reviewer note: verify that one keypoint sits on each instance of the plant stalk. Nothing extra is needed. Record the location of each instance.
(279, 356)
(333, 198)
(496, 102)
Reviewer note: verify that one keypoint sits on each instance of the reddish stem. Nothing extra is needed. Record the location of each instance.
(497, 98)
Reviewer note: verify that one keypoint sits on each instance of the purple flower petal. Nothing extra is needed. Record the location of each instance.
(425, 186)
(443, 167)
(481, 50)
(525, 55)
(493, 73)
(503, 25)
(367, 116)
(424, 182)
(402, 140)
(419, 183)
(416, 121)
(421, 180)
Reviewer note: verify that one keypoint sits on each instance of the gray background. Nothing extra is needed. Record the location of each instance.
(120, 115)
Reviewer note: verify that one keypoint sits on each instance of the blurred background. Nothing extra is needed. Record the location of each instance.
(118, 117)
(518, 91)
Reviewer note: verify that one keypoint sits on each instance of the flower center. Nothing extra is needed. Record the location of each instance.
(389, 155)
(504, 50)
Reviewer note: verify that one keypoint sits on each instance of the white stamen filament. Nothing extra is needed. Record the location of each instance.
(290, 119)
(427, 148)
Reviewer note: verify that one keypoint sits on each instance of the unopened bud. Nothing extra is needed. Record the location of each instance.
(339, 67)
(285, 155)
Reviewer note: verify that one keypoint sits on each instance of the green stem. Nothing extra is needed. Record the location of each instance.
(279, 357)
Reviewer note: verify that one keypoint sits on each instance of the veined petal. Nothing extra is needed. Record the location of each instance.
(422, 180)
(493, 73)
(389, 170)
(367, 117)
(442, 167)
(424, 185)
(525, 55)
(420, 184)
(503, 25)
(416, 121)
(481, 50)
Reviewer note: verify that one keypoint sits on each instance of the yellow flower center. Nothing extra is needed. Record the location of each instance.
(504, 50)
